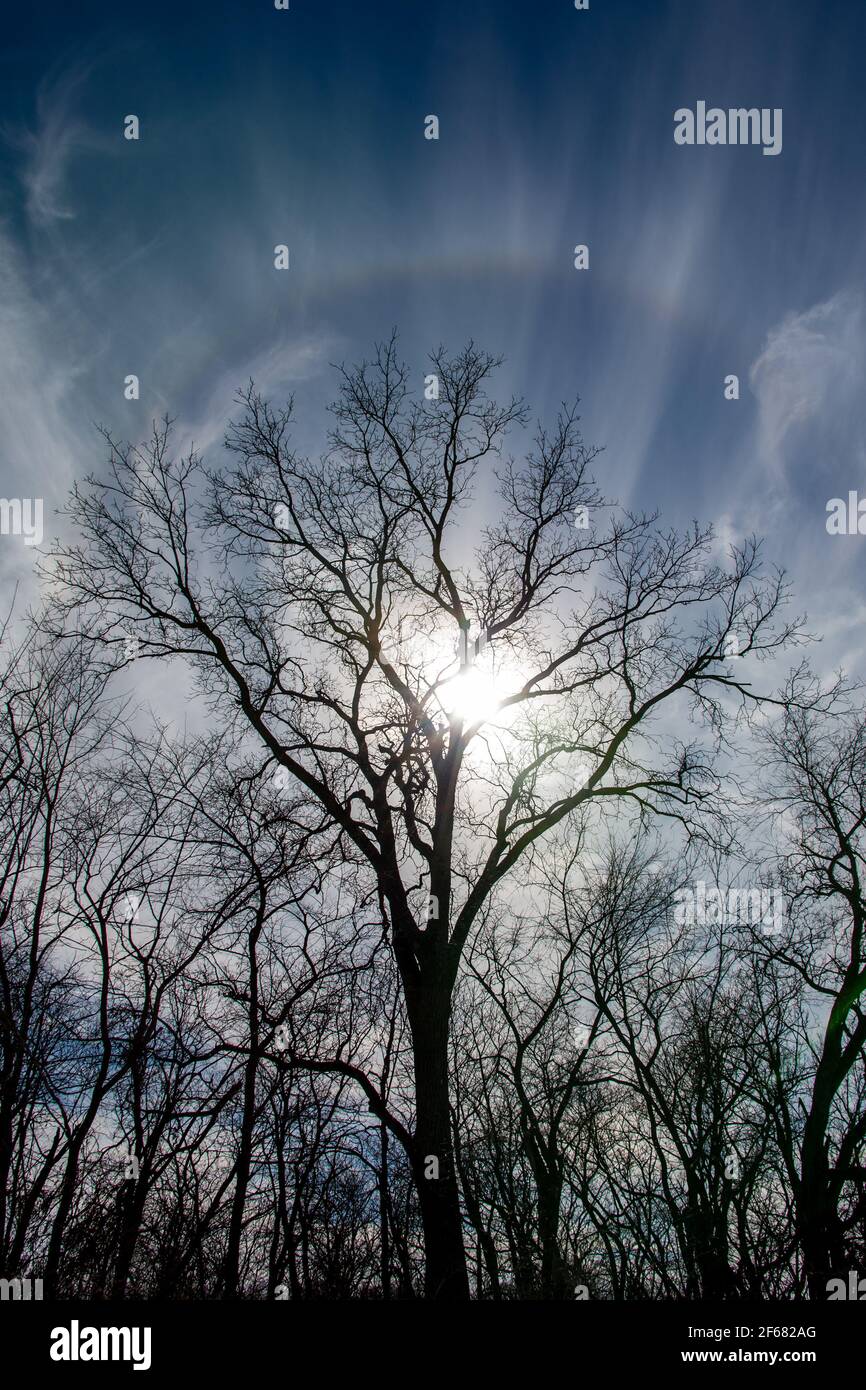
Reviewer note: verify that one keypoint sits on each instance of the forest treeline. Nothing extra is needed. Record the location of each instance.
(354, 992)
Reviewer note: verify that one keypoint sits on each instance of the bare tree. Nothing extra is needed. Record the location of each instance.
(329, 606)
(817, 764)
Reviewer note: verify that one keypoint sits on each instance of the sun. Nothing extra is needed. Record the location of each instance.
(472, 696)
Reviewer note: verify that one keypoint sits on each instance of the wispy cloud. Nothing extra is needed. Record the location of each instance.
(808, 361)
(49, 149)
(40, 413)
(276, 371)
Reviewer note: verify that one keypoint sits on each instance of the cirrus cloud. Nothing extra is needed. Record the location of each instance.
(811, 362)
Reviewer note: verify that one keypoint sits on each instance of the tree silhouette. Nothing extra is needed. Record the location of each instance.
(445, 667)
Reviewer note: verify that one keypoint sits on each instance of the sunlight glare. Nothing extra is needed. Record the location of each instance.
(473, 696)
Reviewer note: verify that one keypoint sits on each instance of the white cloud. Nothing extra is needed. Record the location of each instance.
(275, 370)
(49, 149)
(807, 361)
(40, 415)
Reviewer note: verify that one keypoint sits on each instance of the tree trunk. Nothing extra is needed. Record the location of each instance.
(816, 1215)
(486, 1257)
(61, 1215)
(133, 1197)
(446, 1276)
(231, 1261)
(814, 1218)
(555, 1283)
(384, 1241)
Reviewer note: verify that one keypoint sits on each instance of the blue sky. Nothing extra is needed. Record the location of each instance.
(306, 127)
